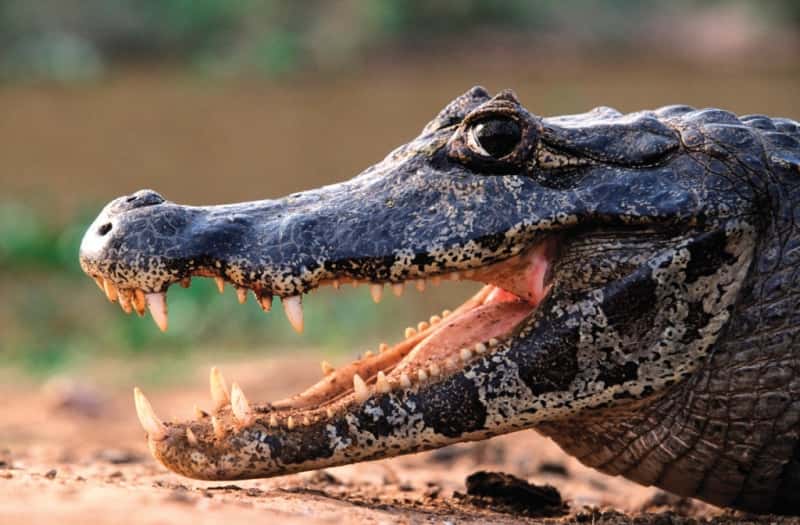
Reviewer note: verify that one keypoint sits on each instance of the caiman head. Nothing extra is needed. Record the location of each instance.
(612, 248)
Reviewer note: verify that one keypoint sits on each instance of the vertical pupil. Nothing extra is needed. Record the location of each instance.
(498, 137)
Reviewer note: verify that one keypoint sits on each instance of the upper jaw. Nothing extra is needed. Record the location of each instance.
(401, 221)
(414, 226)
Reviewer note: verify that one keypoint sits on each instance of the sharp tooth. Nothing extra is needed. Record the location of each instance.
(139, 302)
(368, 354)
(220, 284)
(265, 301)
(422, 325)
(290, 422)
(420, 285)
(306, 421)
(219, 389)
(398, 288)
(273, 420)
(410, 332)
(451, 363)
(435, 319)
(360, 387)
(336, 284)
(327, 368)
(421, 375)
(293, 307)
(157, 304)
(99, 281)
(436, 281)
(147, 417)
(405, 381)
(198, 413)
(445, 313)
(455, 276)
(125, 301)
(383, 347)
(433, 369)
(186, 282)
(111, 290)
(493, 342)
(382, 383)
(219, 430)
(239, 405)
(480, 348)
(190, 437)
(376, 290)
(466, 354)
(241, 295)
(329, 412)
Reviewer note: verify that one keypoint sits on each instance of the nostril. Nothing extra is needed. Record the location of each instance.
(104, 229)
(132, 198)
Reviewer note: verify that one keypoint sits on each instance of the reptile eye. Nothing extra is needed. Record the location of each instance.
(495, 137)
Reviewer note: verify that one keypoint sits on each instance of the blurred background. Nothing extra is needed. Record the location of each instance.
(211, 101)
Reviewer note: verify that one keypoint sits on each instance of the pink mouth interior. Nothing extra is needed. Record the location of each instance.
(517, 287)
(514, 289)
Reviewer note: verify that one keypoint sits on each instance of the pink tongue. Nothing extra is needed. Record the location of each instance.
(522, 276)
(492, 319)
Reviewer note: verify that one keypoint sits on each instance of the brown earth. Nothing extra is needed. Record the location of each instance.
(72, 452)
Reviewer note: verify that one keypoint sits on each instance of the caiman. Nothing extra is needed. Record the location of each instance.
(641, 304)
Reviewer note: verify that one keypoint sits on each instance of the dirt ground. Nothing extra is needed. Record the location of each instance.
(72, 452)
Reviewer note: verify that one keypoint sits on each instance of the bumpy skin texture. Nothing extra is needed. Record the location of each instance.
(664, 353)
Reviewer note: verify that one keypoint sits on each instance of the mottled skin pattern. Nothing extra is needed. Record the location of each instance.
(664, 353)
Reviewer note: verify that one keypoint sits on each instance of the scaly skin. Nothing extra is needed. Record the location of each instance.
(663, 349)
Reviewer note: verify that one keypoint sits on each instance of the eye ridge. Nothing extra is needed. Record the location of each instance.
(494, 137)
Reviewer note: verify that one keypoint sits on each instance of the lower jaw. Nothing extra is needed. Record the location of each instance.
(230, 442)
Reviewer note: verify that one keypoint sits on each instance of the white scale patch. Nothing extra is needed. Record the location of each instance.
(505, 395)
(337, 442)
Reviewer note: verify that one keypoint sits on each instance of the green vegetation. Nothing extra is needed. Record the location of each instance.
(79, 40)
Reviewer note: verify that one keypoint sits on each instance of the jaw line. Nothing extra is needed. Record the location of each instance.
(438, 348)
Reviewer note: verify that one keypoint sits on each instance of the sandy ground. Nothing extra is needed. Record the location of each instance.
(71, 452)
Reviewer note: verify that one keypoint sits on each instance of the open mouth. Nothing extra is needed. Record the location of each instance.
(435, 348)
